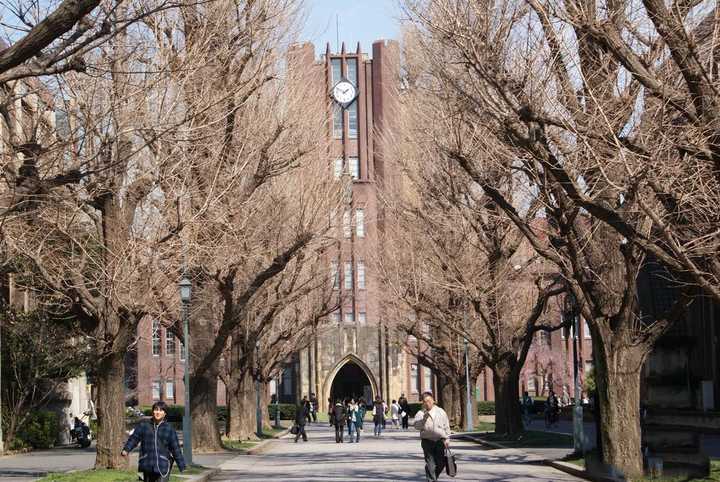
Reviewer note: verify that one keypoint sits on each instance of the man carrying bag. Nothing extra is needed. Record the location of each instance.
(434, 427)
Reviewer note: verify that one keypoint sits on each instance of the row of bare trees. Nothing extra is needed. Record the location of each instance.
(588, 130)
(184, 146)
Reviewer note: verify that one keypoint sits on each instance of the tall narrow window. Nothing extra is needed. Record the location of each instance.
(354, 167)
(414, 378)
(334, 275)
(362, 318)
(169, 343)
(335, 316)
(169, 390)
(156, 390)
(350, 317)
(361, 275)
(353, 120)
(182, 351)
(586, 330)
(352, 70)
(338, 166)
(336, 71)
(156, 338)
(347, 227)
(337, 122)
(348, 275)
(360, 223)
(427, 379)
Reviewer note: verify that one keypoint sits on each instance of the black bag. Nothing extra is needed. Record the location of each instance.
(450, 463)
(294, 430)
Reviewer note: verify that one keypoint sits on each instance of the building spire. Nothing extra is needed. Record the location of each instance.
(342, 50)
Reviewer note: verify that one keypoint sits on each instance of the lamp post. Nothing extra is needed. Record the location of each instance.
(258, 408)
(185, 293)
(571, 309)
(468, 405)
(277, 402)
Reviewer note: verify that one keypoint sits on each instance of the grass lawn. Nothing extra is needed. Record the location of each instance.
(713, 477)
(111, 475)
(243, 446)
(532, 438)
(485, 427)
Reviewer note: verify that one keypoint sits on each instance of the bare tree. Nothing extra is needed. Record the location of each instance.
(570, 122)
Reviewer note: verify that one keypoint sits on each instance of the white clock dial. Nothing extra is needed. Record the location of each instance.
(344, 92)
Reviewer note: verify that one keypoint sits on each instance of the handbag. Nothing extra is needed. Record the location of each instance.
(294, 430)
(450, 463)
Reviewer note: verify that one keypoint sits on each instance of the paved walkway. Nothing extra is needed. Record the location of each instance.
(396, 457)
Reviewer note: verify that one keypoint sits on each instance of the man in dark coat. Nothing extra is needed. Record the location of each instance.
(158, 442)
(301, 414)
(405, 411)
(338, 416)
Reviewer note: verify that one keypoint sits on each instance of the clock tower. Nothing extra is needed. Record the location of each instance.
(355, 353)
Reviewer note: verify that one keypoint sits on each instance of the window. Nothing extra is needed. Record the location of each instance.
(531, 383)
(182, 351)
(156, 390)
(361, 275)
(336, 66)
(335, 316)
(353, 120)
(170, 390)
(347, 226)
(348, 275)
(350, 317)
(360, 223)
(334, 275)
(352, 70)
(156, 338)
(337, 122)
(169, 343)
(362, 318)
(414, 378)
(427, 379)
(586, 330)
(354, 167)
(588, 366)
(338, 167)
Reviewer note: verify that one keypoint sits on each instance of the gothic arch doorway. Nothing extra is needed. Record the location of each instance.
(351, 378)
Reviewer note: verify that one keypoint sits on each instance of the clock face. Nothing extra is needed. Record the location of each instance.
(344, 92)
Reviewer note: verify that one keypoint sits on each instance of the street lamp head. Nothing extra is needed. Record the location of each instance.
(185, 290)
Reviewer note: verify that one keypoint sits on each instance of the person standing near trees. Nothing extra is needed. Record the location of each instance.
(404, 411)
(434, 427)
(301, 415)
(379, 408)
(158, 446)
(338, 419)
(314, 407)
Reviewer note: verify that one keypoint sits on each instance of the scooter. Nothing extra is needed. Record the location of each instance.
(80, 434)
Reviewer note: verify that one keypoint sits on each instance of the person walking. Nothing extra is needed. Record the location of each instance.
(314, 407)
(404, 411)
(158, 446)
(378, 415)
(434, 427)
(352, 414)
(330, 411)
(395, 414)
(361, 410)
(347, 417)
(301, 415)
(338, 417)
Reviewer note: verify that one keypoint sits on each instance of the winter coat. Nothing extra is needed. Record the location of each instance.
(405, 407)
(301, 413)
(158, 442)
(360, 415)
(338, 414)
(378, 412)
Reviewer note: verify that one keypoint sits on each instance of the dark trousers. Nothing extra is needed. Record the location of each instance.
(405, 421)
(434, 451)
(151, 477)
(314, 416)
(301, 431)
(339, 432)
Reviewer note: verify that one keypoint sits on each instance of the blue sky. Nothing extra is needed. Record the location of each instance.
(361, 21)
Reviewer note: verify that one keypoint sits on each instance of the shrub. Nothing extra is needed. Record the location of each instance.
(40, 430)
(486, 408)
(287, 411)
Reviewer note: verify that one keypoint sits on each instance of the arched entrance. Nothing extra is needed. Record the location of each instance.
(351, 379)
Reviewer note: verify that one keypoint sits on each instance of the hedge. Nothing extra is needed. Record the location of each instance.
(40, 430)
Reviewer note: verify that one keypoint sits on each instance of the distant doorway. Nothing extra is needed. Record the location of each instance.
(351, 382)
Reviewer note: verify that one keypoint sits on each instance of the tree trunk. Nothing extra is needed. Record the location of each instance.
(447, 399)
(203, 410)
(506, 381)
(242, 408)
(617, 375)
(265, 400)
(110, 408)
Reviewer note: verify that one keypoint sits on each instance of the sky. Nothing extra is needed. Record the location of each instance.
(361, 21)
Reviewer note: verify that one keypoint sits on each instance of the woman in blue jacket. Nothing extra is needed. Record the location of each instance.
(158, 443)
